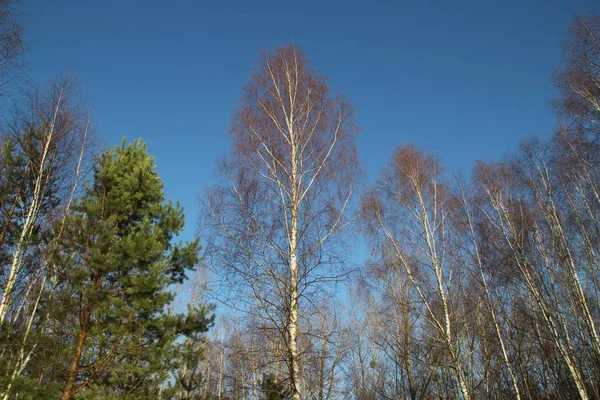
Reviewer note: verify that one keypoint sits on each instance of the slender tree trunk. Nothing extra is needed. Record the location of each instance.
(511, 373)
(429, 228)
(9, 218)
(293, 325)
(293, 239)
(406, 353)
(510, 233)
(490, 302)
(551, 214)
(254, 362)
(74, 367)
(32, 215)
(221, 367)
(322, 367)
(23, 360)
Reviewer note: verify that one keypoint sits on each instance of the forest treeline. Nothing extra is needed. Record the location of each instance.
(88, 261)
(477, 286)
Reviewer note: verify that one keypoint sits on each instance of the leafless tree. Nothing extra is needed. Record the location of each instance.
(579, 79)
(12, 45)
(530, 227)
(272, 224)
(408, 212)
(323, 348)
(472, 242)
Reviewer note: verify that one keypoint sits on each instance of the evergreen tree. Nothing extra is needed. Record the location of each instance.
(116, 263)
(189, 378)
(274, 390)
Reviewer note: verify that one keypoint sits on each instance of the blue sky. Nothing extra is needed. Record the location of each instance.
(465, 79)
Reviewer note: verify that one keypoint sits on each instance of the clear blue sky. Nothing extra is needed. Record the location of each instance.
(465, 79)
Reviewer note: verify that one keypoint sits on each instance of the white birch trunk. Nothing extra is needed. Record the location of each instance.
(32, 215)
(509, 232)
(293, 323)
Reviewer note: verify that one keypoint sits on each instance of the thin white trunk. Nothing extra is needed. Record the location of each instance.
(23, 360)
(293, 323)
(546, 198)
(486, 289)
(293, 242)
(430, 228)
(32, 215)
(254, 373)
(510, 234)
(221, 368)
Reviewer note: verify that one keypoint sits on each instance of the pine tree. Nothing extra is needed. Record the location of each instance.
(189, 377)
(274, 390)
(116, 264)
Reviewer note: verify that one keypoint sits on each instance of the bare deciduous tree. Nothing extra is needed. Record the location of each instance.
(272, 222)
(12, 45)
(408, 213)
(579, 80)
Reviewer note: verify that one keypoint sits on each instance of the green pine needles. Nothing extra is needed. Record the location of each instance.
(114, 263)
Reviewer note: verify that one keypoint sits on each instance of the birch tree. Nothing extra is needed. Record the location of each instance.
(579, 79)
(518, 208)
(47, 135)
(272, 222)
(12, 46)
(324, 348)
(408, 214)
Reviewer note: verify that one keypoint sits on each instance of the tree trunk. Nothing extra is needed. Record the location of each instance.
(32, 215)
(293, 325)
(74, 367)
